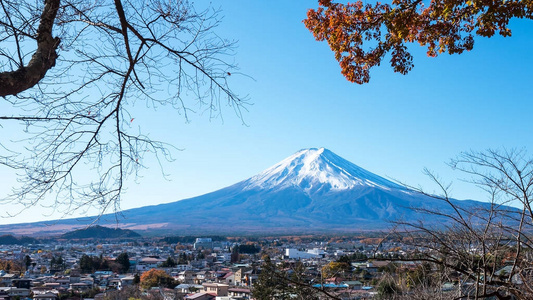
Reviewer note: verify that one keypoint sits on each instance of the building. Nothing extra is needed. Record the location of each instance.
(205, 243)
(218, 289)
(291, 253)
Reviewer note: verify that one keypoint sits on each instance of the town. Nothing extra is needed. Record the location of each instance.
(217, 268)
(201, 268)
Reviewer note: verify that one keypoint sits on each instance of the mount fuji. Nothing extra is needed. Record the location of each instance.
(312, 191)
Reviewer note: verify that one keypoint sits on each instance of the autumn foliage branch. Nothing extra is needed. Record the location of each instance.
(361, 35)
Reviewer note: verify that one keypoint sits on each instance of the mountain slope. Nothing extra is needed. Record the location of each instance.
(313, 190)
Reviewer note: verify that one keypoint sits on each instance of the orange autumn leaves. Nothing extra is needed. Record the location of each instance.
(157, 278)
(361, 35)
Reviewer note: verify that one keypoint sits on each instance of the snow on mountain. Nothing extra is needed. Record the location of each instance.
(314, 190)
(317, 169)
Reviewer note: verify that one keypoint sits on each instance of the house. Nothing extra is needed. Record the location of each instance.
(80, 287)
(74, 278)
(217, 289)
(241, 293)
(21, 283)
(211, 276)
(183, 267)
(147, 263)
(239, 277)
(19, 293)
(374, 266)
(41, 290)
(334, 280)
(113, 283)
(245, 278)
(187, 277)
(87, 280)
(200, 277)
(7, 278)
(63, 282)
(15, 292)
(188, 288)
(102, 273)
(219, 275)
(126, 281)
(4, 296)
(200, 296)
(52, 285)
(46, 296)
(354, 285)
(229, 278)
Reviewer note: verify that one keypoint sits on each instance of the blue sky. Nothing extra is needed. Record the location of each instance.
(394, 126)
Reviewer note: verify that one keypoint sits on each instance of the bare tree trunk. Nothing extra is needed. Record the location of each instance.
(44, 58)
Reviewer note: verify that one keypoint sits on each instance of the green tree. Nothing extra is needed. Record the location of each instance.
(234, 255)
(53, 262)
(86, 263)
(249, 248)
(201, 255)
(124, 261)
(57, 263)
(182, 259)
(27, 261)
(60, 263)
(93, 263)
(169, 263)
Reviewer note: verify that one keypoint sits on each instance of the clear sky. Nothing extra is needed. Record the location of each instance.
(394, 126)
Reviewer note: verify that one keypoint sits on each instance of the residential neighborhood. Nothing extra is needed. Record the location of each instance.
(206, 269)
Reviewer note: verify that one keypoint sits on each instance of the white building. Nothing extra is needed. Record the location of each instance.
(296, 254)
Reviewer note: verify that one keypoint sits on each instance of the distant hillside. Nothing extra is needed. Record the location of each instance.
(12, 240)
(100, 232)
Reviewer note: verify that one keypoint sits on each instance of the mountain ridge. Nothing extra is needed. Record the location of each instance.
(313, 190)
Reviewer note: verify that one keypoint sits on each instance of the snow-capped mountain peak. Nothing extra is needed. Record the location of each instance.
(314, 169)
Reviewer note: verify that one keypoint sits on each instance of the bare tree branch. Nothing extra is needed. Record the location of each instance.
(76, 111)
(489, 245)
